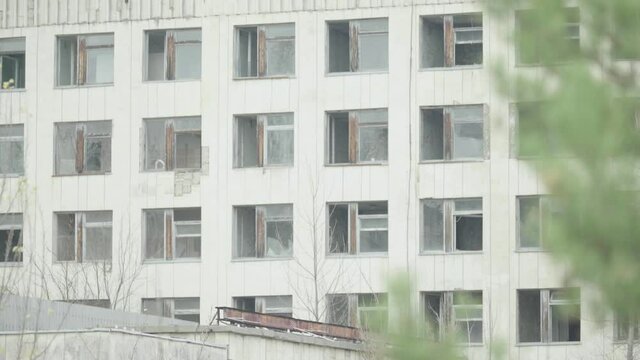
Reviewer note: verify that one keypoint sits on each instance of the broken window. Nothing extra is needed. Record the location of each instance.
(358, 45)
(265, 50)
(11, 150)
(84, 236)
(272, 305)
(12, 63)
(172, 233)
(85, 59)
(172, 144)
(528, 42)
(548, 315)
(263, 140)
(264, 231)
(356, 228)
(453, 133)
(357, 137)
(451, 225)
(368, 311)
(451, 40)
(83, 148)
(187, 308)
(173, 54)
(10, 238)
(460, 311)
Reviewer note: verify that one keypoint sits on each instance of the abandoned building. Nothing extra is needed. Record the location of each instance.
(282, 157)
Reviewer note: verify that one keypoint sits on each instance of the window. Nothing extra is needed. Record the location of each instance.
(187, 309)
(358, 228)
(173, 54)
(83, 236)
(172, 234)
(529, 42)
(272, 305)
(101, 303)
(265, 50)
(85, 59)
(451, 40)
(453, 133)
(459, 310)
(12, 63)
(533, 138)
(451, 225)
(264, 231)
(357, 137)
(622, 325)
(83, 148)
(358, 45)
(368, 311)
(10, 238)
(11, 150)
(172, 144)
(534, 212)
(548, 315)
(263, 140)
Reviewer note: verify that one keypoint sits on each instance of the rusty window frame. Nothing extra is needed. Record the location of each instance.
(354, 139)
(80, 226)
(260, 48)
(169, 55)
(79, 71)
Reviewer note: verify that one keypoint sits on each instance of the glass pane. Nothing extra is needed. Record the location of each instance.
(67, 54)
(187, 124)
(467, 312)
(98, 217)
(372, 208)
(466, 36)
(13, 220)
(98, 154)
(280, 147)
(187, 229)
(432, 147)
(155, 55)
(280, 31)
(338, 309)
(66, 148)
(12, 45)
(468, 205)
(468, 141)
(468, 54)
(11, 157)
(373, 25)
(372, 116)
(529, 225)
(187, 304)
(188, 35)
(565, 322)
(247, 50)
(373, 144)
(187, 214)
(374, 52)
(433, 226)
(338, 228)
(100, 66)
(279, 119)
(153, 307)
(10, 245)
(279, 238)
(154, 234)
(155, 145)
(11, 130)
(373, 223)
(469, 331)
(66, 237)
(280, 57)
(97, 243)
(465, 114)
(188, 150)
(188, 247)
(373, 241)
(432, 42)
(279, 211)
(188, 61)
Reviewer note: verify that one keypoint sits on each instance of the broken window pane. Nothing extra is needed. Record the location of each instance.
(279, 230)
(338, 309)
(338, 228)
(66, 237)
(280, 49)
(97, 157)
(468, 137)
(279, 134)
(187, 223)
(246, 154)
(338, 138)
(11, 149)
(372, 219)
(245, 233)
(188, 54)
(433, 226)
(564, 315)
(339, 59)
(99, 59)
(433, 315)
(467, 316)
(154, 234)
(468, 225)
(247, 52)
(155, 55)
(12, 63)
(529, 222)
(373, 135)
(97, 235)
(373, 42)
(10, 237)
(67, 56)
(529, 316)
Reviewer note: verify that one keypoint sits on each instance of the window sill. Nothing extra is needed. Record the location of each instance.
(357, 256)
(169, 81)
(87, 262)
(10, 264)
(264, 168)
(451, 68)
(274, 77)
(11, 176)
(78, 175)
(456, 161)
(386, 163)
(171, 171)
(551, 343)
(350, 73)
(14, 90)
(173, 261)
(457, 252)
(530, 250)
(86, 86)
(244, 260)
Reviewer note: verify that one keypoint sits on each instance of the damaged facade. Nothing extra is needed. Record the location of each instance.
(211, 143)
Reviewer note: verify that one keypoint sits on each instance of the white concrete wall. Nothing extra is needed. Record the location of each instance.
(498, 270)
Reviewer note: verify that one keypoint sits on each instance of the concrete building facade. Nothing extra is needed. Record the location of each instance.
(442, 200)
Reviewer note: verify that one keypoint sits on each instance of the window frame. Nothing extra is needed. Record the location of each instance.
(354, 143)
(262, 139)
(80, 223)
(169, 70)
(169, 303)
(354, 45)
(9, 54)
(546, 322)
(169, 214)
(14, 139)
(11, 227)
(80, 72)
(353, 307)
(81, 153)
(260, 305)
(260, 223)
(450, 40)
(449, 213)
(170, 158)
(353, 246)
(545, 205)
(261, 51)
(447, 313)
